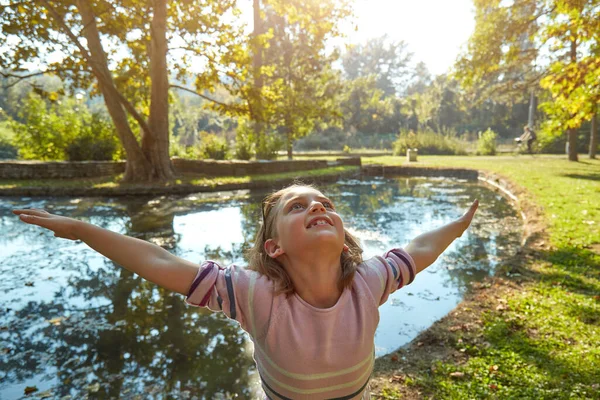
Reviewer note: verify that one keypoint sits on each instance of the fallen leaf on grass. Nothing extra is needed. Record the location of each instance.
(397, 378)
(457, 374)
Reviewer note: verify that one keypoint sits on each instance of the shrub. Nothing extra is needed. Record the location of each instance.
(7, 148)
(96, 141)
(244, 142)
(213, 146)
(63, 130)
(427, 142)
(269, 146)
(486, 144)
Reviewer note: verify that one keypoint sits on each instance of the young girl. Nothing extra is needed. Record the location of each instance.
(308, 300)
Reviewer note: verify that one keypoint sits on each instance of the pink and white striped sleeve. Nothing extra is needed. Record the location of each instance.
(221, 289)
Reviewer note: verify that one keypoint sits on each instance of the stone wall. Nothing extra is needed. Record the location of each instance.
(89, 169)
(59, 169)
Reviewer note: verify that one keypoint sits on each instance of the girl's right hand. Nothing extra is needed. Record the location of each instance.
(62, 227)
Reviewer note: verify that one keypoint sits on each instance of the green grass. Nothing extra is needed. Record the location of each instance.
(545, 343)
(116, 180)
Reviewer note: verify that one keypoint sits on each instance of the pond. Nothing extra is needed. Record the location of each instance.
(74, 324)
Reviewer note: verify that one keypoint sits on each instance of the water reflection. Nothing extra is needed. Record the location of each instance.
(74, 324)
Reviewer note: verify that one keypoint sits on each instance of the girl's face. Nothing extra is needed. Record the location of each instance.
(306, 218)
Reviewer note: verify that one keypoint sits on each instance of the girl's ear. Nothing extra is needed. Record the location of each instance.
(272, 249)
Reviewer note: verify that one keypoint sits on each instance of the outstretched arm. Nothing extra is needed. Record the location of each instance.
(146, 259)
(427, 247)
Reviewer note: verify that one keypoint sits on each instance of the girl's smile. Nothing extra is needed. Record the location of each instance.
(306, 210)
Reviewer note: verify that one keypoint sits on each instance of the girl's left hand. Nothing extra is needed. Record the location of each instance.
(467, 217)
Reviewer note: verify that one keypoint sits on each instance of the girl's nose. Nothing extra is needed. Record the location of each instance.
(317, 207)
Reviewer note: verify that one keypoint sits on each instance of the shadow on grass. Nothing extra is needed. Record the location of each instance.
(572, 270)
(589, 177)
(514, 335)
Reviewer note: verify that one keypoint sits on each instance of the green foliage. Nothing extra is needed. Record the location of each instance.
(270, 144)
(179, 150)
(427, 142)
(517, 42)
(486, 144)
(285, 74)
(366, 109)
(63, 130)
(244, 142)
(213, 146)
(96, 140)
(385, 60)
(7, 148)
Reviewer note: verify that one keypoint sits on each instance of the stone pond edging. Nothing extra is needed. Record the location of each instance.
(94, 169)
(491, 180)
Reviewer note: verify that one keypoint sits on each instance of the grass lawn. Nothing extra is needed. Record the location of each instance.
(533, 331)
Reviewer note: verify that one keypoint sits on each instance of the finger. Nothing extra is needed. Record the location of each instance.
(471, 211)
(32, 211)
(34, 219)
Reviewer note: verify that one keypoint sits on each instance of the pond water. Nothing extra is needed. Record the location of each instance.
(75, 325)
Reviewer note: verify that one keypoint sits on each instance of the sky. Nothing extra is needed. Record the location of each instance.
(434, 30)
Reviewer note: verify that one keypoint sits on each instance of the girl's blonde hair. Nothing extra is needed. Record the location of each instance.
(261, 262)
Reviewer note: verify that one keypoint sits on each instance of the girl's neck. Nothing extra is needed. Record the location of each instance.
(316, 280)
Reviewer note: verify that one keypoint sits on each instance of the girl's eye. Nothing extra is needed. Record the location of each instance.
(296, 206)
(327, 204)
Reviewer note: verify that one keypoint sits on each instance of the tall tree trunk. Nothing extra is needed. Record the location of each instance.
(138, 167)
(594, 134)
(572, 133)
(290, 137)
(256, 109)
(156, 144)
(572, 140)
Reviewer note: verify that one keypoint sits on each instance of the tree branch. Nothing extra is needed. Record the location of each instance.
(228, 106)
(20, 78)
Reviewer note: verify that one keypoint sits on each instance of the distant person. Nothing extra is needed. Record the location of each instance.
(528, 137)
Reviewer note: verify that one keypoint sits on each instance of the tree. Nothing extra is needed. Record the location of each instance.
(420, 79)
(365, 108)
(386, 60)
(120, 48)
(574, 75)
(517, 44)
(301, 80)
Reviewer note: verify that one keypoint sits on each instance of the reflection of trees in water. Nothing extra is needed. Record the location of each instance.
(143, 340)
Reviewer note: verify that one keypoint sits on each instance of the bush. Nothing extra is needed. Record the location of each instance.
(96, 141)
(428, 143)
(244, 142)
(486, 144)
(213, 146)
(268, 148)
(63, 130)
(7, 148)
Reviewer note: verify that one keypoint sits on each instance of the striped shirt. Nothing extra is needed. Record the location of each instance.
(304, 352)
